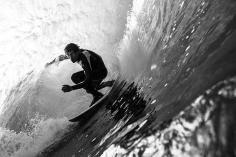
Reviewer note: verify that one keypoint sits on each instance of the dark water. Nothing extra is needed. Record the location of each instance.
(192, 53)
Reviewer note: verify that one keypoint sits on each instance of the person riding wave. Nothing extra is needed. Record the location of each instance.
(93, 73)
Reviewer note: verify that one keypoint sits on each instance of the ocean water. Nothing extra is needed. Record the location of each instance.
(171, 59)
(33, 108)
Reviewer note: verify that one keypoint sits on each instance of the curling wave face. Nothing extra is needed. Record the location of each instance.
(173, 51)
(35, 32)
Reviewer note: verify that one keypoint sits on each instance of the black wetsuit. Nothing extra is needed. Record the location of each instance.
(91, 77)
(98, 74)
(97, 67)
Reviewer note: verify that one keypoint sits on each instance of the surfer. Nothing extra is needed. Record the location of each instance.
(93, 73)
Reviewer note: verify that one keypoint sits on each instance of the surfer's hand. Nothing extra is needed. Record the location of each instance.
(66, 88)
(47, 64)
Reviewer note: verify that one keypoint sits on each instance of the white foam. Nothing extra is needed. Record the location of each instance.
(26, 144)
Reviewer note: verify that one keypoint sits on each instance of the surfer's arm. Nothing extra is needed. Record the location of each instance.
(87, 71)
(58, 59)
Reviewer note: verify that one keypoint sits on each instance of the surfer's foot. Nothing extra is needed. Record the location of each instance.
(105, 84)
(95, 99)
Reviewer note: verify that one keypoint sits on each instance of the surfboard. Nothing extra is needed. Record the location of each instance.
(91, 110)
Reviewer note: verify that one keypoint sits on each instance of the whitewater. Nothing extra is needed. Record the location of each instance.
(33, 111)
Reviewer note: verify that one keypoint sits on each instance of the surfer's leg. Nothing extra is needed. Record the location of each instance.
(96, 94)
(78, 77)
(96, 98)
(105, 84)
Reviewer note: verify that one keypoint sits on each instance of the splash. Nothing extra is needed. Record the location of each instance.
(132, 53)
(41, 133)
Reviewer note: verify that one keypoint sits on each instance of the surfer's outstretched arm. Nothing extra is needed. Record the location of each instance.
(57, 60)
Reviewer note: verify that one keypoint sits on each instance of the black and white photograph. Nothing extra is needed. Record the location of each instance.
(117, 78)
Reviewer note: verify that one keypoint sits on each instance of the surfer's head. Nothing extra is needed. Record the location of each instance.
(72, 50)
(71, 47)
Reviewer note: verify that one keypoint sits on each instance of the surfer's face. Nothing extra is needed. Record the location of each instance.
(72, 55)
(68, 54)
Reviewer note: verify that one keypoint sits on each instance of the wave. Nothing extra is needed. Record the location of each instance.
(29, 142)
(174, 51)
(33, 110)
